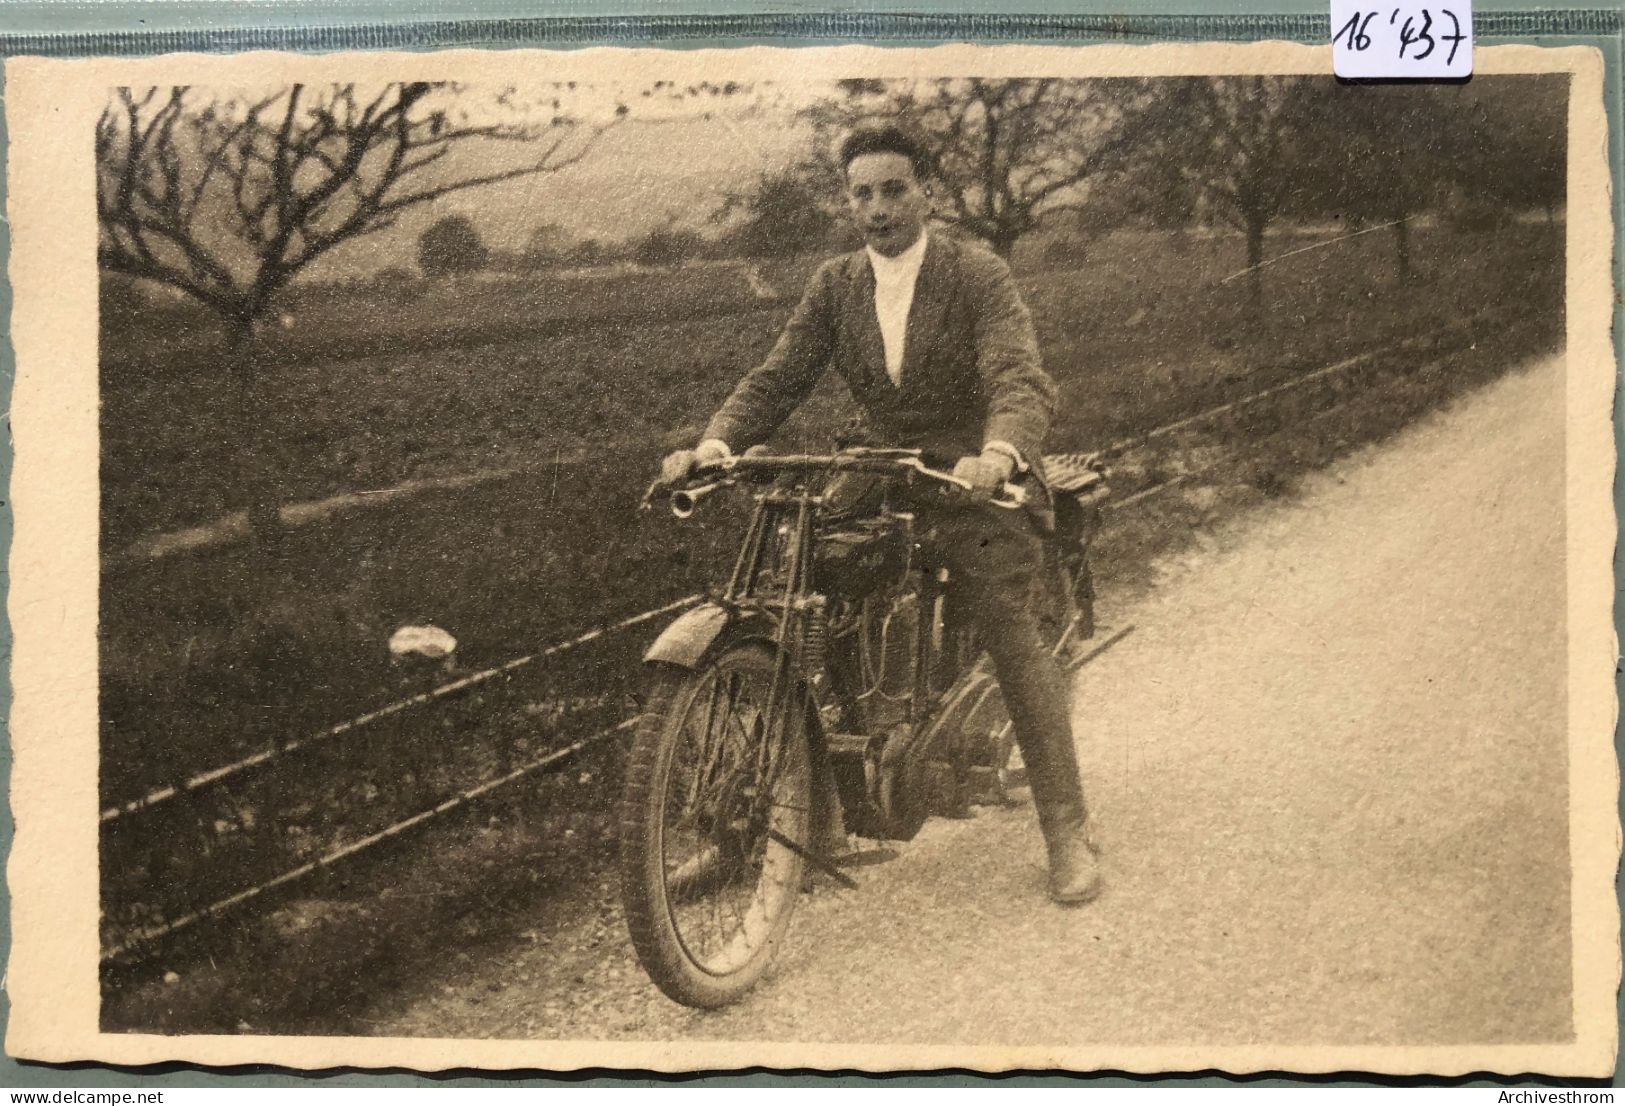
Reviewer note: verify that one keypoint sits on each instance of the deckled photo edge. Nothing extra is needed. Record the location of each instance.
(52, 973)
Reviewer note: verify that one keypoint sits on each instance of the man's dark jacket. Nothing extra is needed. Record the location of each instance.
(971, 371)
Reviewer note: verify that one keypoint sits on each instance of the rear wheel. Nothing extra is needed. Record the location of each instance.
(717, 801)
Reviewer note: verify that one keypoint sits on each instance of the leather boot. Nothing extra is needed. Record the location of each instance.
(1038, 696)
(1044, 732)
(1074, 866)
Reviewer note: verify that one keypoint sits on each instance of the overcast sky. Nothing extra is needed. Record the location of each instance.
(671, 161)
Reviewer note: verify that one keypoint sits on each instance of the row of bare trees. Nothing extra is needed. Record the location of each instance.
(1242, 151)
(228, 199)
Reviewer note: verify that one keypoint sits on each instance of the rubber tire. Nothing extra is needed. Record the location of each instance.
(643, 883)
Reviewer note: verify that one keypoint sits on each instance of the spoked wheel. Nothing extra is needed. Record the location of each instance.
(717, 802)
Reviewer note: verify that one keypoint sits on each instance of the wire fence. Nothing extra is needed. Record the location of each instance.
(439, 691)
(221, 838)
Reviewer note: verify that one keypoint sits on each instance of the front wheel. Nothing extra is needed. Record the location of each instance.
(715, 807)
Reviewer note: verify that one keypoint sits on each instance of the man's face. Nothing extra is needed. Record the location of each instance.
(887, 200)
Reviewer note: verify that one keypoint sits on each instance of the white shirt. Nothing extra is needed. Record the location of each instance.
(895, 278)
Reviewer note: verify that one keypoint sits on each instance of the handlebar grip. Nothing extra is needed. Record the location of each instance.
(661, 485)
(685, 501)
(1010, 496)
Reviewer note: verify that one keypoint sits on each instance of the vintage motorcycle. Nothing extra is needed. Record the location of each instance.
(829, 686)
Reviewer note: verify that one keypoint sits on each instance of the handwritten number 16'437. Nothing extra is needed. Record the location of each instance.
(1419, 37)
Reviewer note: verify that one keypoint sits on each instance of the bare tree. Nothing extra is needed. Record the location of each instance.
(1389, 162)
(1245, 169)
(781, 213)
(1508, 142)
(1009, 152)
(227, 200)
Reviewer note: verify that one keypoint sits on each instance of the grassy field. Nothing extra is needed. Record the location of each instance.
(371, 386)
(210, 656)
(366, 387)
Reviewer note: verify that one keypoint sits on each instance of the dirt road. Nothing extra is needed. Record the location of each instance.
(1329, 772)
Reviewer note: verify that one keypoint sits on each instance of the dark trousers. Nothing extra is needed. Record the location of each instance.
(994, 557)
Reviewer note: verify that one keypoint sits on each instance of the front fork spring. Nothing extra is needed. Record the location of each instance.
(815, 639)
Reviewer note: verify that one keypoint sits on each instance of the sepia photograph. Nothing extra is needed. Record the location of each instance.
(980, 557)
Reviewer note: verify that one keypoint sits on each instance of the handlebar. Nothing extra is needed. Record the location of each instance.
(685, 500)
(729, 470)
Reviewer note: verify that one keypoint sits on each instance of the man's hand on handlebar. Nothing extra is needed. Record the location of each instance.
(982, 479)
(985, 475)
(680, 465)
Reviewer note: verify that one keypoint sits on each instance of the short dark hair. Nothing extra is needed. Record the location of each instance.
(885, 140)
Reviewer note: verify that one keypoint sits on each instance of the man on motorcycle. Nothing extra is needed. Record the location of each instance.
(939, 352)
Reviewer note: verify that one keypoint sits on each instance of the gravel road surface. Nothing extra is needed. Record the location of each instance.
(1329, 772)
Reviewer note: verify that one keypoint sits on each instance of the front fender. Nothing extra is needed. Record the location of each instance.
(698, 633)
(695, 633)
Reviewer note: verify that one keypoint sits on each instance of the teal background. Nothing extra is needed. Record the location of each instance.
(137, 27)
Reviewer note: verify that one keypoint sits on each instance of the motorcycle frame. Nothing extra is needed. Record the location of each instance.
(789, 518)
